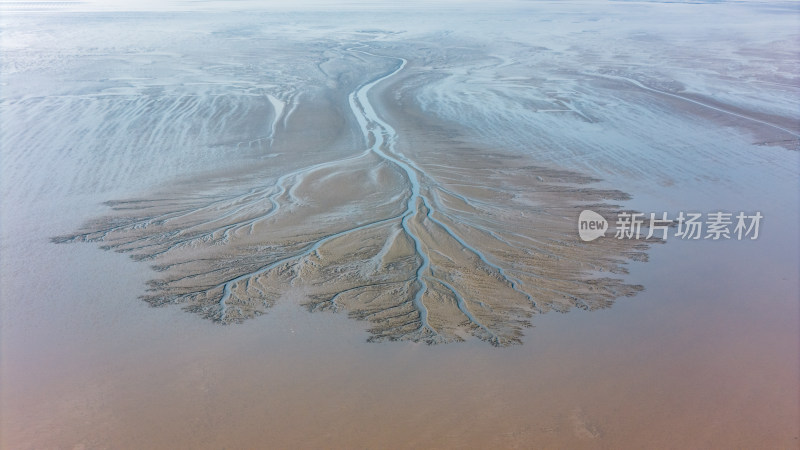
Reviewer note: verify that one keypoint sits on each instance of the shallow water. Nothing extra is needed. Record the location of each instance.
(705, 356)
(685, 363)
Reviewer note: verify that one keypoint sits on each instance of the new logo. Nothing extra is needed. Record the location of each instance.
(591, 225)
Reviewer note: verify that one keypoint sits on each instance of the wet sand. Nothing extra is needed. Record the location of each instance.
(394, 234)
(704, 356)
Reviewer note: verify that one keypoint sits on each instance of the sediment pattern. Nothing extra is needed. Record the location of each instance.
(430, 249)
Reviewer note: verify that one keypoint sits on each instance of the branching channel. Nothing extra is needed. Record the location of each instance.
(432, 252)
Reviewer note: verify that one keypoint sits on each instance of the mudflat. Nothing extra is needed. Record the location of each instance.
(328, 194)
